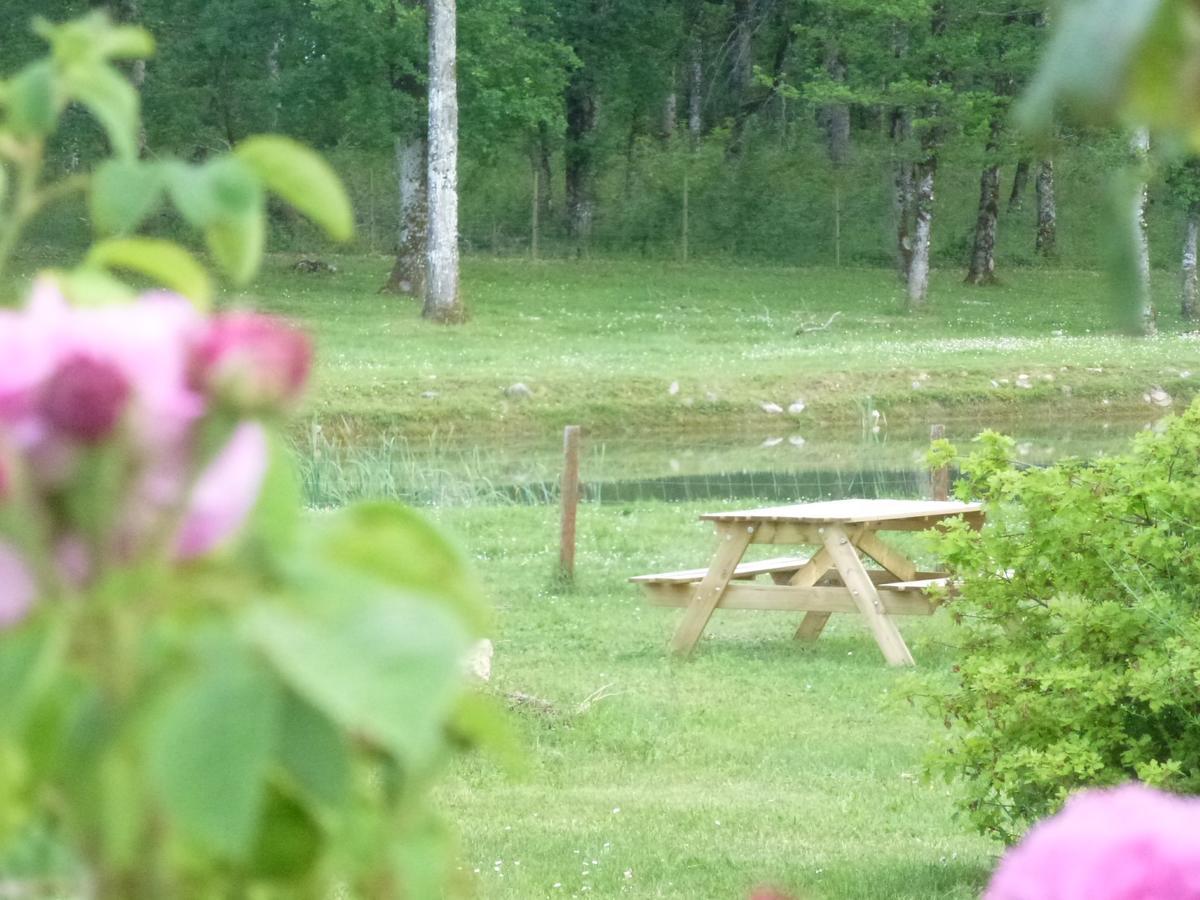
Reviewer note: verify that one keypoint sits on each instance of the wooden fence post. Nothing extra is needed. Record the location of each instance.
(939, 479)
(569, 492)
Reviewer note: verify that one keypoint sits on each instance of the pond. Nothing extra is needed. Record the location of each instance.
(780, 464)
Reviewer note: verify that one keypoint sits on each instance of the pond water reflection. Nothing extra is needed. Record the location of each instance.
(800, 464)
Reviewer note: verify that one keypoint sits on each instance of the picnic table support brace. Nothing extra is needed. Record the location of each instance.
(841, 549)
(813, 623)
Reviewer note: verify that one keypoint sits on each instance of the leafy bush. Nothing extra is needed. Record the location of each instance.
(1078, 627)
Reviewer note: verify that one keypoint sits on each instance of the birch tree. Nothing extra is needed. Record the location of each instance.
(1046, 241)
(1183, 180)
(1188, 294)
(412, 216)
(1016, 197)
(1139, 145)
(442, 300)
(983, 254)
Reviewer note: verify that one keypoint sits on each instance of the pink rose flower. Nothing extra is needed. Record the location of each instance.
(226, 492)
(252, 362)
(84, 398)
(1127, 843)
(136, 377)
(147, 344)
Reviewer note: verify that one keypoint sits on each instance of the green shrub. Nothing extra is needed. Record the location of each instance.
(1078, 628)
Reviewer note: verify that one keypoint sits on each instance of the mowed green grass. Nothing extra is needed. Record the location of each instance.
(757, 761)
(600, 343)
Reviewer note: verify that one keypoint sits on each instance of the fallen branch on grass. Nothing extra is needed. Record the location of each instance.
(809, 327)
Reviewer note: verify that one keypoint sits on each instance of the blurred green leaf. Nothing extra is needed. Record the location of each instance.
(235, 187)
(303, 179)
(399, 546)
(188, 188)
(125, 42)
(1134, 62)
(236, 233)
(93, 287)
(111, 99)
(1088, 59)
(1163, 77)
(124, 193)
(164, 262)
(237, 245)
(275, 520)
(29, 656)
(313, 753)
(480, 721)
(94, 37)
(384, 666)
(423, 857)
(289, 840)
(32, 100)
(210, 751)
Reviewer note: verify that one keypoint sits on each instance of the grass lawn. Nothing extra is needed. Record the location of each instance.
(757, 761)
(601, 342)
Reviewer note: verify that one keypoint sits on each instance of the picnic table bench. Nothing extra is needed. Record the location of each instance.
(832, 579)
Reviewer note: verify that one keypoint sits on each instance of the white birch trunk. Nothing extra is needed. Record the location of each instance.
(273, 74)
(1047, 211)
(670, 111)
(442, 301)
(918, 270)
(1140, 148)
(1190, 284)
(695, 91)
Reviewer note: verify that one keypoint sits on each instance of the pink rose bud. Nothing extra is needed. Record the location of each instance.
(84, 398)
(252, 362)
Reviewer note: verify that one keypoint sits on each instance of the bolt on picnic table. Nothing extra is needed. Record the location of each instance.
(833, 579)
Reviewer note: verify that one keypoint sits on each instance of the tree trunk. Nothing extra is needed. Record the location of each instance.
(741, 67)
(580, 161)
(546, 181)
(1020, 180)
(983, 255)
(1190, 286)
(918, 271)
(273, 75)
(836, 115)
(1144, 310)
(1047, 211)
(902, 194)
(741, 73)
(695, 90)
(684, 213)
(535, 208)
(131, 11)
(670, 111)
(408, 272)
(442, 300)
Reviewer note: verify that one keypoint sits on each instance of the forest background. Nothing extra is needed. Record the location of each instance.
(796, 132)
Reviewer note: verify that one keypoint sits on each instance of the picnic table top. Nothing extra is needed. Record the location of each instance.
(849, 512)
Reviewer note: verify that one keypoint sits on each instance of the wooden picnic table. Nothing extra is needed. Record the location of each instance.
(833, 579)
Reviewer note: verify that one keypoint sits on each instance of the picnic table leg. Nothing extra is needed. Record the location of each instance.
(733, 539)
(813, 623)
(845, 557)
